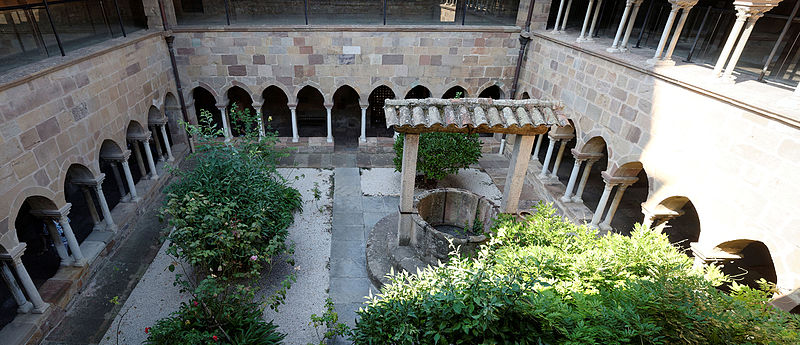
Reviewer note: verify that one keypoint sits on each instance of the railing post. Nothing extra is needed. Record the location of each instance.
(53, 26)
(778, 42)
(644, 24)
(463, 11)
(305, 10)
(384, 11)
(227, 13)
(119, 17)
(697, 37)
(105, 18)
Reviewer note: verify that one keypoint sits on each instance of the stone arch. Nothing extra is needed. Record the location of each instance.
(134, 128)
(342, 84)
(311, 112)
(280, 86)
(346, 116)
(453, 91)
(376, 119)
(396, 90)
(203, 99)
(417, 91)
(206, 87)
(677, 217)
(595, 144)
(525, 95)
(236, 84)
(154, 114)
(491, 90)
(312, 85)
(82, 220)
(74, 161)
(752, 259)
(275, 105)
(243, 99)
(44, 197)
(629, 211)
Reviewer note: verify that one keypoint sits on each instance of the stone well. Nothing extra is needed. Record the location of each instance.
(446, 215)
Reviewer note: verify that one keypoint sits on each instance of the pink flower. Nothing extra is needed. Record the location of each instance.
(214, 337)
(195, 303)
(254, 258)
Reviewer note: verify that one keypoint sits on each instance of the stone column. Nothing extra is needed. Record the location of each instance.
(137, 152)
(363, 137)
(159, 154)
(676, 35)
(15, 255)
(259, 119)
(129, 178)
(559, 156)
(539, 139)
(566, 16)
(590, 37)
(166, 142)
(615, 45)
(624, 45)
(601, 205)
(573, 176)
(741, 17)
(558, 17)
(582, 37)
(90, 205)
(578, 197)
(547, 157)
(407, 175)
(330, 129)
(72, 242)
(101, 198)
(515, 177)
(57, 242)
(295, 136)
(124, 197)
(150, 163)
(226, 128)
(606, 224)
(737, 52)
(23, 306)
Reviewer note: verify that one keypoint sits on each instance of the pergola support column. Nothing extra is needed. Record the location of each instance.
(515, 178)
(407, 175)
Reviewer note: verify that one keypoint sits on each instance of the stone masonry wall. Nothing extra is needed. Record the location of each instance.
(363, 59)
(61, 116)
(737, 167)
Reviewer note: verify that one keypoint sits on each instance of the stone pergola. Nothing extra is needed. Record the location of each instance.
(524, 118)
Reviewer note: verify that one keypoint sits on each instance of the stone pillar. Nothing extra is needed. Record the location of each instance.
(515, 177)
(407, 175)
(547, 157)
(363, 137)
(259, 119)
(23, 306)
(295, 136)
(124, 197)
(601, 205)
(129, 178)
(72, 242)
(166, 143)
(90, 205)
(582, 37)
(615, 45)
(573, 176)
(741, 17)
(330, 129)
(157, 142)
(624, 45)
(737, 52)
(566, 16)
(15, 256)
(539, 139)
(606, 224)
(137, 152)
(559, 156)
(590, 37)
(558, 17)
(578, 197)
(101, 198)
(150, 163)
(226, 128)
(676, 35)
(57, 242)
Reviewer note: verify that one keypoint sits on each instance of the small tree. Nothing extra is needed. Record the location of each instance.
(441, 154)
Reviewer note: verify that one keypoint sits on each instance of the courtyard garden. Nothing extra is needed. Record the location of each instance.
(254, 253)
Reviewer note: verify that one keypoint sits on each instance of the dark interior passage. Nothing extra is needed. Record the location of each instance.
(418, 92)
(204, 102)
(455, 92)
(629, 211)
(755, 264)
(243, 103)
(376, 118)
(346, 119)
(492, 92)
(275, 111)
(311, 113)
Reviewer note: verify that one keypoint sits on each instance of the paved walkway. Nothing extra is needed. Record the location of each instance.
(337, 160)
(353, 216)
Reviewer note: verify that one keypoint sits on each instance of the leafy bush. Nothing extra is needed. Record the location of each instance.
(215, 315)
(231, 212)
(441, 154)
(544, 280)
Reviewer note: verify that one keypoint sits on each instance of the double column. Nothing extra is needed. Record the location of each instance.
(746, 16)
(559, 20)
(590, 16)
(96, 185)
(122, 160)
(611, 182)
(590, 158)
(626, 25)
(665, 59)
(226, 127)
(144, 139)
(328, 108)
(554, 138)
(363, 137)
(61, 216)
(33, 303)
(160, 126)
(295, 136)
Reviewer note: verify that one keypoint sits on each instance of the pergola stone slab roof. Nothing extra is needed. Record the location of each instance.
(474, 115)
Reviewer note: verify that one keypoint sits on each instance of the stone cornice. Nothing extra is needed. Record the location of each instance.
(346, 28)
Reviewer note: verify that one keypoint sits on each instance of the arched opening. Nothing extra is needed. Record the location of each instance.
(677, 218)
(244, 103)
(172, 111)
(114, 185)
(593, 189)
(275, 111)
(525, 95)
(41, 258)
(754, 263)
(795, 310)
(135, 137)
(156, 120)
(376, 118)
(493, 92)
(629, 211)
(418, 92)
(204, 101)
(84, 215)
(311, 113)
(455, 92)
(346, 118)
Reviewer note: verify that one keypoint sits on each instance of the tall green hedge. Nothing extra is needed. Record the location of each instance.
(544, 280)
(441, 154)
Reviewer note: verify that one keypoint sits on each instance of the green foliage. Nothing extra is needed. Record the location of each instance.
(441, 154)
(329, 320)
(231, 212)
(544, 280)
(215, 315)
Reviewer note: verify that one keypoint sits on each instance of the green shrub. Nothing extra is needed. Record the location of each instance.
(544, 280)
(215, 315)
(441, 154)
(231, 212)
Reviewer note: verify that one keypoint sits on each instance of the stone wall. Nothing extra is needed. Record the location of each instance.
(737, 166)
(363, 58)
(60, 116)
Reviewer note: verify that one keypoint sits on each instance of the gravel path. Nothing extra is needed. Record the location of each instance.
(386, 181)
(155, 296)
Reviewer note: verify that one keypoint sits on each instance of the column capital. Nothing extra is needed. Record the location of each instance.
(618, 180)
(90, 182)
(256, 105)
(753, 8)
(221, 106)
(591, 156)
(684, 4)
(328, 106)
(121, 157)
(53, 214)
(158, 121)
(711, 255)
(14, 254)
(291, 105)
(144, 136)
(560, 136)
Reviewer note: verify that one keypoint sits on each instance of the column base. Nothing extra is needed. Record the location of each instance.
(112, 227)
(80, 263)
(25, 308)
(556, 32)
(152, 177)
(577, 200)
(722, 79)
(605, 227)
(330, 140)
(41, 310)
(566, 199)
(294, 139)
(362, 139)
(171, 159)
(613, 50)
(67, 262)
(98, 227)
